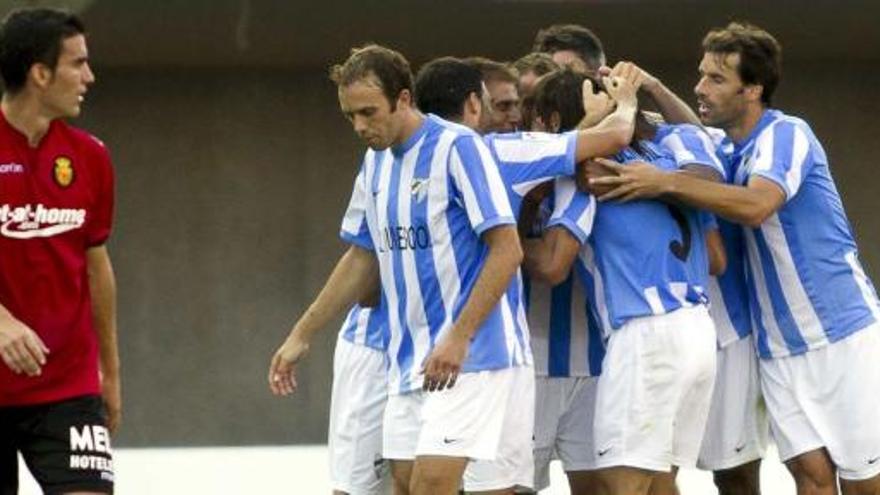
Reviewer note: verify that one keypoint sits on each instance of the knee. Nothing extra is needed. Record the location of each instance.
(741, 480)
(816, 478)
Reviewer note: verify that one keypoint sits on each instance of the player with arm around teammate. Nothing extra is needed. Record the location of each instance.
(648, 296)
(452, 89)
(815, 311)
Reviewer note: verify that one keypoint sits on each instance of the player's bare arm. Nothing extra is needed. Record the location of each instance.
(355, 277)
(102, 285)
(21, 348)
(673, 108)
(505, 255)
(749, 205)
(717, 253)
(550, 257)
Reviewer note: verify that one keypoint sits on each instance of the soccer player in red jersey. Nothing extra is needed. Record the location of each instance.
(59, 381)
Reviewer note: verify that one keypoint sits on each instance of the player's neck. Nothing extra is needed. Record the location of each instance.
(24, 114)
(412, 120)
(743, 127)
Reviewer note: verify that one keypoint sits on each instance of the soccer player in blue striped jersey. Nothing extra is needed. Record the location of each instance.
(428, 217)
(737, 429)
(815, 311)
(452, 89)
(645, 266)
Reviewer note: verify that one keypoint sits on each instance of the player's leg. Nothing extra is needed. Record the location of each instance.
(401, 475)
(462, 423)
(576, 444)
(664, 483)
(813, 473)
(737, 432)
(744, 479)
(823, 407)
(869, 486)
(548, 408)
(401, 424)
(513, 466)
(653, 398)
(624, 480)
(8, 453)
(633, 416)
(357, 405)
(66, 446)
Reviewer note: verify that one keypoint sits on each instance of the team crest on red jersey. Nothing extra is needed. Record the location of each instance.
(63, 171)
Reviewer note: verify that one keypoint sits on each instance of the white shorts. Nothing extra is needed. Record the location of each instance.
(654, 392)
(829, 397)
(738, 429)
(564, 425)
(463, 421)
(357, 404)
(514, 464)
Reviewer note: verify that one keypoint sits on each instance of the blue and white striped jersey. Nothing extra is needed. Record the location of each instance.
(566, 336)
(639, 258)
(366, 326)
(421, 207)
(689, 145)
(728, 293)
(527, 159)
(807, 286)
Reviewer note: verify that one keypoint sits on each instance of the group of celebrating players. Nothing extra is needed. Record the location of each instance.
(540, 269)
(629, 292)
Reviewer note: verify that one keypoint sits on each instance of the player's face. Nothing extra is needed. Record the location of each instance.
(70, 79)
(504, 114)
(364, 104)
(720, 91)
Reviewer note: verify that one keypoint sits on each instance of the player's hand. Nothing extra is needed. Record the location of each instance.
(111, 392)
(636, 180)
(21, 348)
(444, 363)
(593, 169)
(623, 91)
(282, 370)
(596, 105)
(637, 76)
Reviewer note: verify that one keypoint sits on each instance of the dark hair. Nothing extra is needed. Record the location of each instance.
(572, 37)
(561, 91)
(491, 70)
(444, 84)
(389, 68)
(33, 36)
(760, 55)
(537, 62)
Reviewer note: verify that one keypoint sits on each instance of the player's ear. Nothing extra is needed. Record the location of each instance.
(405, 98)
(753, 91)
(40, 74)
(555, 122)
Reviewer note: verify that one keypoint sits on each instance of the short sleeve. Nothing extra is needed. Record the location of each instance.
(478, 183)
(355, 229)
(527, 159)
(691, 145)
(783, 155)
(572, 209)
(100, 221)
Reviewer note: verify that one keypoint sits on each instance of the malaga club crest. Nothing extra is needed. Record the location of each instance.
(63, 171)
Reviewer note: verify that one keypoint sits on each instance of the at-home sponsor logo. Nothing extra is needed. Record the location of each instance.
(30, 221)
(11, 168)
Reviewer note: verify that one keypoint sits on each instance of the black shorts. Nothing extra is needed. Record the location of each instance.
(65, 444)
